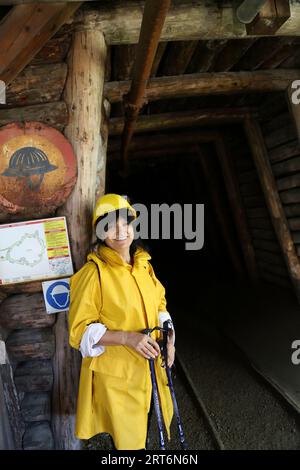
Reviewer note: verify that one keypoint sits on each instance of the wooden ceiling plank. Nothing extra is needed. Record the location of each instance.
(25, 30)
(178, 56)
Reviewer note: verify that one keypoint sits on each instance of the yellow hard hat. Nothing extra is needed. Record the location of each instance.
(109, 203)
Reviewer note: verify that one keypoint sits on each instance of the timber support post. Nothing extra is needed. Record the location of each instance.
(238, 210)
(83, 96)
(278, 217)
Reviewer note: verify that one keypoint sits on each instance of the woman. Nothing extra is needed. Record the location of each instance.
(113, 298)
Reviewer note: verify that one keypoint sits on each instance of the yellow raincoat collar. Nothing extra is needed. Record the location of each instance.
(111, 256)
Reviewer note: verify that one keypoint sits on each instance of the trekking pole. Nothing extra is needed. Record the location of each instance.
(165, 330)
(156, 398)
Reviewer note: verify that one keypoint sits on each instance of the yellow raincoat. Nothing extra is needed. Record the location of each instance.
(115, 388)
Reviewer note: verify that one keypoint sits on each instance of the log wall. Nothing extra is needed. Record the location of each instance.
(27, 377)
(269, 257)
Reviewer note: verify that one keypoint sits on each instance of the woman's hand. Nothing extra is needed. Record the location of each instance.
(143, 344)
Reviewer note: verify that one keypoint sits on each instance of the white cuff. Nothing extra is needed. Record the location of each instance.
(90, 338)
(163, 316)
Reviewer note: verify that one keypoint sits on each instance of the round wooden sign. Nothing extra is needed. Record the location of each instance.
(38, 168)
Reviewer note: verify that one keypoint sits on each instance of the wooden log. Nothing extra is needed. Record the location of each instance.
(52, 114)
(177, 57)
(36, 406)
(262, 234)
(277, 122)
(296, 237)
(184, 119)
(260, 223)
(101, 164)
(31, 343)
(275, 279)
(292, 210)
(37, 84)
(280, 136)
(121, 21)
(38, 436)
(294, 223)
(34, 376)
(164, 141)
(269, 256)
(238, 211)
(248, 177)
(250, 189)
(55, 50)
(252, 202)
(273, 268)
(218, 207)
(84, 87)
(267, 245)
(24, 288)
(288, 166)
(257, 212)
(273, 201)
(158, 57)
(197, 84)
(290, 196)
(25, 30)
(25, 311)
(285, 151)
(12, 404)
(288, 182)
(272, 105)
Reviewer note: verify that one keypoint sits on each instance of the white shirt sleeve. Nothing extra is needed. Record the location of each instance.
(163, 316)
(91, 336)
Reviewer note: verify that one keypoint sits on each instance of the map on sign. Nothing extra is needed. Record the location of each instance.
(34, 250)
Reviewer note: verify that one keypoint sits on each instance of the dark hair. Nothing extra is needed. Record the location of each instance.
(115, 215)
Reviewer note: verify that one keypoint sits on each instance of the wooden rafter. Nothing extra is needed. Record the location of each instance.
(207, 84)
(268, 184)
(25, 30)
(185, 119)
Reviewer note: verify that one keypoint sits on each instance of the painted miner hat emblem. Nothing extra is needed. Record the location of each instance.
(27, 162)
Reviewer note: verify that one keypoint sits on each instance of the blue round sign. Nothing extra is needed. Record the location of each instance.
(58, 295)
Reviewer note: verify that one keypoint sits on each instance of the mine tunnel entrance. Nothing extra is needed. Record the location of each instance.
(227, 319)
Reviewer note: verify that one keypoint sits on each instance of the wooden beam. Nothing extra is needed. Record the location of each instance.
(237, 207)
(273, 14)
(186, 119)
(120, 20)
(140, 143)
(198, 84)
(25, 30)
(278, 217)
(37, 84)
(52, 114)
(213, 188)
(83, 95)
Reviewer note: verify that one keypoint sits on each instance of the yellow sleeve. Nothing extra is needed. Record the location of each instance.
(85, 302)
(161, 292)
